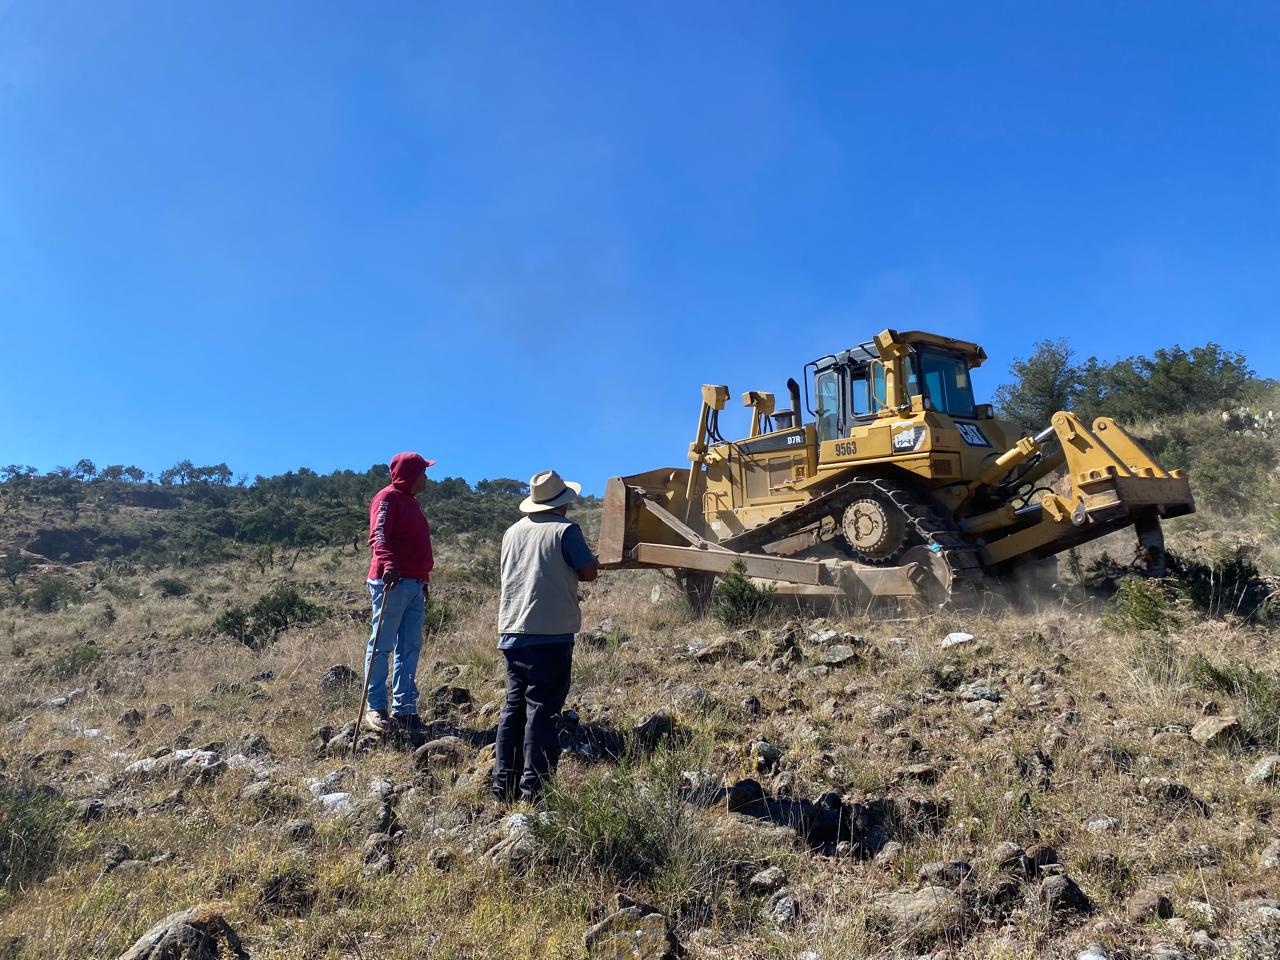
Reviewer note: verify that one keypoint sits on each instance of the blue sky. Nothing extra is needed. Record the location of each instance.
(510, 236)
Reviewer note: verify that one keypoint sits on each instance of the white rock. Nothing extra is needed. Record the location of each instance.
(1103, 825)
(1265, 771)
(336, 803)
(1201, 912)
(1270, 857)
(956, 639)
(1092, 952)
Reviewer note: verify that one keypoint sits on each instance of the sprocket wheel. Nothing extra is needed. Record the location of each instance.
(875, 529)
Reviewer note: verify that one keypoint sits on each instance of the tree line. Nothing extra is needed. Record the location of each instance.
(1171, 382)
(202, 512)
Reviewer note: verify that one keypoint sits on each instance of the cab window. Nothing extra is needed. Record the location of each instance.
(827, 388)
(946, 382)
(860, 391)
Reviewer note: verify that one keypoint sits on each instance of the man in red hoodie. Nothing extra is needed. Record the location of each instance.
(399, 573)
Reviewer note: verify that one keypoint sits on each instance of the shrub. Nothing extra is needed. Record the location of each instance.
(121, 591)
(736, 600)
(631, 825)
(32, 823)
(1139, 604)
(171, 587)
(1257, 690)
(486, 568)
(437, 616)
(1225, 582)
(71, 662)
(269, 616)
(52, 593)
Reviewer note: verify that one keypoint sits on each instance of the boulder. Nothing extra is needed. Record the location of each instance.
(767, 880)
(515, 848)
(338, 677)
(199, 933)
(253, 744)
(722, 648)
(1269, 859)
(783, 909)
(378, 858)
(1265, 772)
(448, 697)
(920, 916)
(631, 934)
(298, 830)
(944, 873)
(1061, 894)
(653, 729)
(1164, 790)
(371, 815)
(1148, 905)
(764, 755)
(920, 773)
(596, 636)
(1216, 731)
(99, 808)
(443, 751)
(839, 655)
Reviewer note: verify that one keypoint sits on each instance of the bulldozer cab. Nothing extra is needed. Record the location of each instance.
(858, 385)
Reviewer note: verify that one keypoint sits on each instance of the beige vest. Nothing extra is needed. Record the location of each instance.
(539, 589)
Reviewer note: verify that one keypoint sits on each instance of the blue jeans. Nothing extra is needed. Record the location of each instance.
(401, 632)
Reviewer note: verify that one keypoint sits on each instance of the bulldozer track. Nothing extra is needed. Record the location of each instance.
(932, 528)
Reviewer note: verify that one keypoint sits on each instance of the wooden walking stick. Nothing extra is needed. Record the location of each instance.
(368, 668)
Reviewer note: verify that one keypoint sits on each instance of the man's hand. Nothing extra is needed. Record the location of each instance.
(390, 577)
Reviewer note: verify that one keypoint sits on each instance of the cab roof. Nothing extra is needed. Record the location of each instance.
(972, 353)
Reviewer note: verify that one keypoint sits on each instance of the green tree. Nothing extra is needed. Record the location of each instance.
(1047, 381)
(13, 565)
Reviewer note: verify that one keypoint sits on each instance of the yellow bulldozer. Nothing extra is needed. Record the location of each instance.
(897, 485)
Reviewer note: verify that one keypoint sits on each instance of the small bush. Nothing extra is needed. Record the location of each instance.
(121, 591)
(486, 568)
(736, 600)
(1227, 582)
(52, 593)
(1257, 690)
(32, 824)
(630, 825)
(172, 587)
(72, 662)
(1139, 604)
(269, 616)
(437, 616)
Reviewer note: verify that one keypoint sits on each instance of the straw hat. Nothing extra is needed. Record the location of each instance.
(547, 490)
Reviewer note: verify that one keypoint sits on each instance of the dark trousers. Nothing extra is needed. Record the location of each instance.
(528, 746)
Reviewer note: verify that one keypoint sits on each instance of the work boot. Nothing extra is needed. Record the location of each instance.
(376, 720)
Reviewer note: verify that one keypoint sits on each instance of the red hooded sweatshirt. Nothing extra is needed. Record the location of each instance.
(399, 534)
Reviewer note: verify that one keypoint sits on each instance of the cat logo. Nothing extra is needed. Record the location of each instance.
(972, 435)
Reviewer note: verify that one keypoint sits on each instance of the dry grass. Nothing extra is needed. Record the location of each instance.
(1070, 686)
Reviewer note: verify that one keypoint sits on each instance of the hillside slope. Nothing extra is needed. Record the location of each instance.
(1077, 772)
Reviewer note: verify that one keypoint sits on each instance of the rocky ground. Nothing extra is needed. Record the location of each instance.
(1002, 783)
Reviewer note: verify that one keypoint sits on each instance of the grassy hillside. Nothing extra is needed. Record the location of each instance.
(1082, 771)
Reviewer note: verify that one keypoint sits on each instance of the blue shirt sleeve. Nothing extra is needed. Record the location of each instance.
(574, 547)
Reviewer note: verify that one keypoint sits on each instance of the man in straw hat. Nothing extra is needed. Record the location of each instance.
(544, 558)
